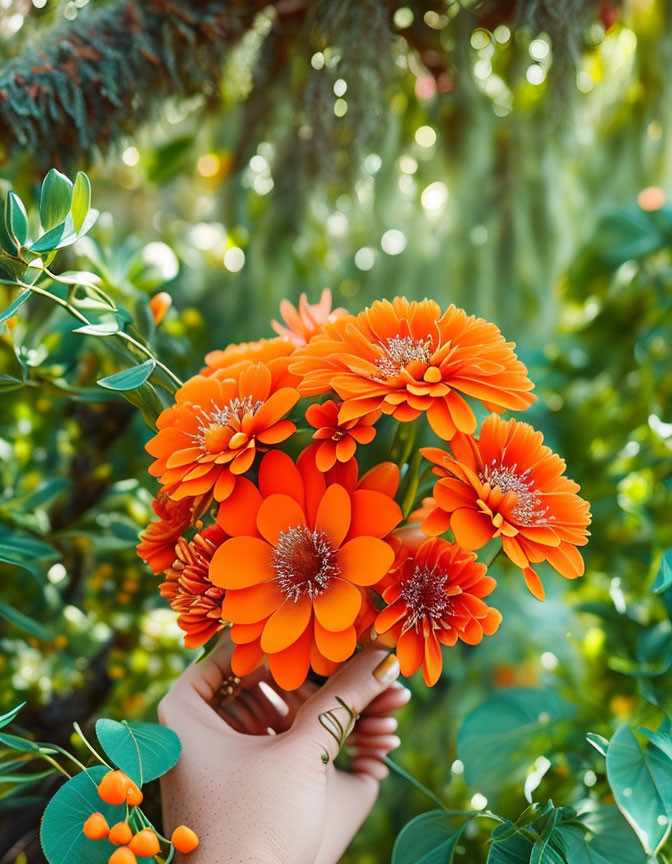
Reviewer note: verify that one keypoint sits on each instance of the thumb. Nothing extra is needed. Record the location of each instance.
(327, 717)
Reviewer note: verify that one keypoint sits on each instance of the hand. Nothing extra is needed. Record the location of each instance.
(252, 780)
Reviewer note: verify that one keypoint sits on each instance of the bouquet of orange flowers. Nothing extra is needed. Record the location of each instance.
(298, 507)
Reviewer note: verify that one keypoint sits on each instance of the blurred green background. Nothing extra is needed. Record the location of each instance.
(444, 150)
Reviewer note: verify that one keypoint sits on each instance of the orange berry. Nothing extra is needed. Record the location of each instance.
(184, 839)
(96, 827)
(122, 855)
(113, 788)
(159, 305)
(134, 795)
(145, 844)
(120, 834)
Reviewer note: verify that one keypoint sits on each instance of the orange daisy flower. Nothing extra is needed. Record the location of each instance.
(188, 587)
(212, 433)
(157, 541)
(302, 551)
(303, 323)
(434, 597)
(273, 353)
(508, 484)
(338, 440)
(407, 358)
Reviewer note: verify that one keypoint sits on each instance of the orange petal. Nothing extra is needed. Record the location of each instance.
(383, 478)
(278, 474)
(440, 419)
(533, 583)
(325, 456)
(472, 529)
(250, 605)
(243, 461)
(238, 514)
(276, 433)
(246, 658)
(389, 616)
(240, 562)
(365, 560)
(338, 605)
(436, 523)
(336, 646)
(433, 661)
(373, 514)
(224, 485)
(278, 513)
(290, 667)
(275, 407)
(410, 649)
(333, 514)
(286, 624)
(241, 634)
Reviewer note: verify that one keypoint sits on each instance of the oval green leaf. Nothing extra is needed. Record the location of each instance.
(55, 198)
(610, 840)
(143, 751)
(63, 841)
(642, 785)
(14, 306)
(430, 838)
(81, 200)
(129, 379)
(106, 328)
(16, 219)
(664, 575)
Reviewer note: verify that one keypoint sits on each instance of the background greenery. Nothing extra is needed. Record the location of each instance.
(458, 152)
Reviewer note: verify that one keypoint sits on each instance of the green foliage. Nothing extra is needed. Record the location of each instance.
(143, 751)
(430, 838)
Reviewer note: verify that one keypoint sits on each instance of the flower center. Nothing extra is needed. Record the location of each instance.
(527, 508)
(426, 599)
(398, 351)
(304, 562)
(217, 425)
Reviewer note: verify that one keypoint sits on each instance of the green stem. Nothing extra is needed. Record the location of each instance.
(78, 730)
(411, 779)
(53, 762)
(494, 557)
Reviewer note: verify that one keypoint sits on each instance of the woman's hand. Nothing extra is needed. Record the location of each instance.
(252, 780)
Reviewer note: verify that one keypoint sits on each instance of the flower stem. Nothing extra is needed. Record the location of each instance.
(494, 557)
(412, 780)
(78, 730)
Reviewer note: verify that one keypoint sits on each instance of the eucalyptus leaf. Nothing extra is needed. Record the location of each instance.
(143, 751)
(106, 328)
(81, 200)
(15, 305)
(55, 199)
(131, 378)
(51, 239)
(16, 218)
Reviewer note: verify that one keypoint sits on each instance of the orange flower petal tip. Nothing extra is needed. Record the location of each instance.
(120, 834)
(96, 827)
(134, 795)
(184, 839)
(113, 788)
(145, 844)
(159, 305)
(122, 855)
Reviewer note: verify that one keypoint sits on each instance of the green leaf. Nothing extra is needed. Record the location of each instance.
(654, 649)
(610, 839)
(15, 305)
(73, 236)
(24, 622)
(430, 838)
(55, 198)
(143, 751)
(501, 737)
(664, 575)
(507, 847)
(81, 200)
(599, 742)
(660, 739)
(16, 218)
(106, 328)
(63, 841)
(18, 743)
(8, 245)
(131, 378)
(10, 716)
(642, 786)
(50, 241)
(24, 551)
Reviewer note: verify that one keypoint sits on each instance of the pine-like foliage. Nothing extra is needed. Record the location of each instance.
(72, 92)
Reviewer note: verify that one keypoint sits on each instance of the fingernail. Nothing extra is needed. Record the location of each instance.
(387, 670)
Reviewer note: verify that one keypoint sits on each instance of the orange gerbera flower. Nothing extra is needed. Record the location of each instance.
(273, 353)
(157, 541)
(212, 433)
(302, 551)
(407, 357)
(303, 323)
(508, 484)
(434, 597)
(338, 440)
(188, 587)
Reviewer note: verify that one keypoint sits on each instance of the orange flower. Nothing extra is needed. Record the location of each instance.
(303, 323)
(211, 435)
(157, 541)
(273, 353)
(407, 357)
(508, 484)
(339, 440)
(302, 551)
(434, 597)
(188, 587)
